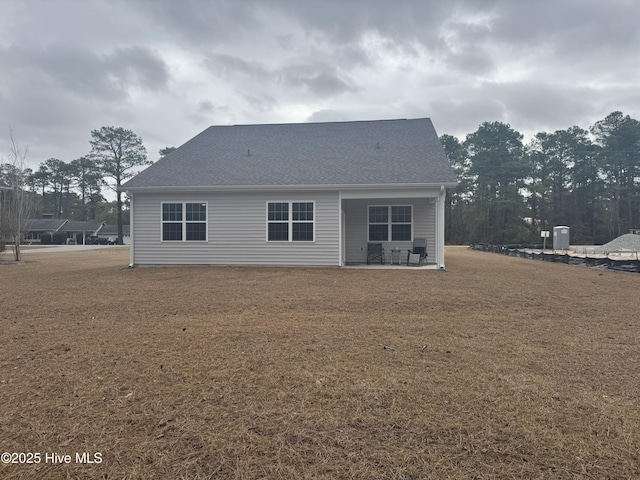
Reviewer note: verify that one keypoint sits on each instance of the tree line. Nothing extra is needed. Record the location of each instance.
(72, 190)
(75, 189)
(510, 191)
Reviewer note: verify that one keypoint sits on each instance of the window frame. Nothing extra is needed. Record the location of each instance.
(385, 224)
(290, 221)
(183, 220)
(389, 223)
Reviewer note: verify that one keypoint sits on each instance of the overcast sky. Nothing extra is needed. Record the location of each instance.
(168, 69)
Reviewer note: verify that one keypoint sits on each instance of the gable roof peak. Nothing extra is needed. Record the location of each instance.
(363, 152)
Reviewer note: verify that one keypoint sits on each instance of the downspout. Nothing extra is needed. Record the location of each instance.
(131, 236)
(440, 228)
(340, 230)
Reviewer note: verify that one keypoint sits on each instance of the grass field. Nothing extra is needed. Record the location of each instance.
(500, 368)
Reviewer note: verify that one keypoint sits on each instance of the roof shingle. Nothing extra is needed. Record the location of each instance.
(337, 153)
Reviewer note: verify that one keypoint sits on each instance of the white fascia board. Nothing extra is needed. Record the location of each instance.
(398, 192)
(397, 187)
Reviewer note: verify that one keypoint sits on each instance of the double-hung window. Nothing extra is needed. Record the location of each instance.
(378, 224)
(183, 221)
(390, 223)
(290, 221)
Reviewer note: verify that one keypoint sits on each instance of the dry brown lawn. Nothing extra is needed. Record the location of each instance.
(500, 368)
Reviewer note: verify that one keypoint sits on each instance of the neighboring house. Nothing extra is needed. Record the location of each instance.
(111, 231)
(76, 230)
(3, 188)
(34, 228)
(292, 194)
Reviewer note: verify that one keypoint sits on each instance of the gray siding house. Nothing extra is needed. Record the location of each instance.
(292, 194)
(3, 188)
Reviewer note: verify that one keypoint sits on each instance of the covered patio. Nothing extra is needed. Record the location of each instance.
(394, 219)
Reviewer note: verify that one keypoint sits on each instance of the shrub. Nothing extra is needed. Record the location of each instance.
(45, 239)
(59, 238)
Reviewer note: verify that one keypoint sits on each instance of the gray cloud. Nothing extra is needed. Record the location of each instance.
(262, 103)
(82, 72)
(207, 113)
(199, 22)
(320, 80)
(350, 56)
(229, 65)
(136, 66)
(205, 107)
(328, 116)
(168, 69)
(459, 116)
(53, 96)
(536, 106)
(342, 22)
(317, 78)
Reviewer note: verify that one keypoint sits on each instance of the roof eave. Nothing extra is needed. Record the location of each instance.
(227, 188)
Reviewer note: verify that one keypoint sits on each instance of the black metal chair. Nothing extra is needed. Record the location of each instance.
(418, 255)
(375, 252)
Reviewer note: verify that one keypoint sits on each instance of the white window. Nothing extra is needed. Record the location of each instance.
(290, 221)
(182, 221)
(390, 223)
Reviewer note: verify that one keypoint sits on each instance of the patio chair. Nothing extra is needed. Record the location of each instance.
(375, 252)
(418, 254)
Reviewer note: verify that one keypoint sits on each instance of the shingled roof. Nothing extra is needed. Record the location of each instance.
(59, 225)
(383, 152)
(44, 224)
(80, 226)
(107, 230)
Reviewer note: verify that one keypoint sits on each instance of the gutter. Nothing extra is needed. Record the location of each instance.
(227, 188)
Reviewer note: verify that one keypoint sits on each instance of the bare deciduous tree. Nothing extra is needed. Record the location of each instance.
(17, 205)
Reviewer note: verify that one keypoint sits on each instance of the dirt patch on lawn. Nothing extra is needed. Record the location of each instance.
(499, 368)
